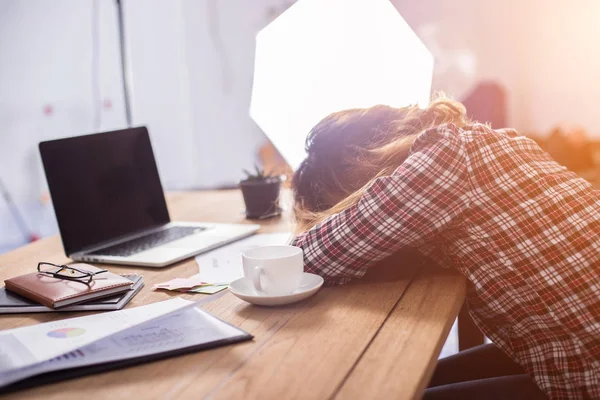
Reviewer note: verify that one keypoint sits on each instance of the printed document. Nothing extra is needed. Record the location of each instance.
(224, 265)
(32, 344)
(137, 332)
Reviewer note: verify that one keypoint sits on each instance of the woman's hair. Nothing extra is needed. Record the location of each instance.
(349, 149)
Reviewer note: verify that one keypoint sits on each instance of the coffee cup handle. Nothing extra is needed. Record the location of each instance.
(258, 272)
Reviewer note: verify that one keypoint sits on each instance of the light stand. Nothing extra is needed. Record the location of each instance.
(124, 75)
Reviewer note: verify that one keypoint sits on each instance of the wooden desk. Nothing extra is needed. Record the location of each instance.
(378, 338)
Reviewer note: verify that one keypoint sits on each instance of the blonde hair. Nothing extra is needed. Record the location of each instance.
(343, 160)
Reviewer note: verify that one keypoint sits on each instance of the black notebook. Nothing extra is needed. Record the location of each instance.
(12, 303)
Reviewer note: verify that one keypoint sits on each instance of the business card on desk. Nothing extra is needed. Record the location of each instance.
(207, 289)
(192, 284)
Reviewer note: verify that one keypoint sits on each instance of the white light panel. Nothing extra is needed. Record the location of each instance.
(322, 56)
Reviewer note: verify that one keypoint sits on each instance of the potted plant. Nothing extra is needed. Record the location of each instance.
(261, 194)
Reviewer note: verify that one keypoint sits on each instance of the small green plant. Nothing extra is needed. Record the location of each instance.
(259, 175)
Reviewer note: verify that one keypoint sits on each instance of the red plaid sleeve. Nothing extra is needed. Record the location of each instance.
(407, 209)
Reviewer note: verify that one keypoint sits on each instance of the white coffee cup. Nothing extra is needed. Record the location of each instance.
(274, 270)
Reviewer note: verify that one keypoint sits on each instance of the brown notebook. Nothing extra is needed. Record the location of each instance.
(55, 292)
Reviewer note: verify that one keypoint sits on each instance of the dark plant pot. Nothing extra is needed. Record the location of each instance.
(261, 197)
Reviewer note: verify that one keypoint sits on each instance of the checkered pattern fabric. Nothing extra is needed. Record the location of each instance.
(522, 229)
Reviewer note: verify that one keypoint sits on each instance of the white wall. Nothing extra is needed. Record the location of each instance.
(563, 64)
(219, 38)
(46, 61)
(160, 86)
(192, 63)
(191, 66)
(545, 52)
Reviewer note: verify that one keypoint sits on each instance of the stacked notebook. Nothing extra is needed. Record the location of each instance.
(36, 292)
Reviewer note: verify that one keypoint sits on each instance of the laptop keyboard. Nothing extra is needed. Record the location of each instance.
(148, 241)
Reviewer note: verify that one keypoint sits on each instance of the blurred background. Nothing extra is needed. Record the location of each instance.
(532, 65)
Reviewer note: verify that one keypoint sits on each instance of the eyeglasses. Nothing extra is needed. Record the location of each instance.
(68, 273)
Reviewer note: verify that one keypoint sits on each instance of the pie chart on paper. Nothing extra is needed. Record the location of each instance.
(65, 333)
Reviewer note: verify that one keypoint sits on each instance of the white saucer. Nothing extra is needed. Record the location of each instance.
(243, 289)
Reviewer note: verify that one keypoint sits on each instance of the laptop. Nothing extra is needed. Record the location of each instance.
(110, 206)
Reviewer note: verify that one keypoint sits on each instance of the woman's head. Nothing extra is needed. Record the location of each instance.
(348, 149)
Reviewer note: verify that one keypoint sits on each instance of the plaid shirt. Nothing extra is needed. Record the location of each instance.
(520, 227)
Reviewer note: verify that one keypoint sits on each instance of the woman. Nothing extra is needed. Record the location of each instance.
(521, 228)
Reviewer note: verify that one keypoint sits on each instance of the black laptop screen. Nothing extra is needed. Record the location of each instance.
(103, 186)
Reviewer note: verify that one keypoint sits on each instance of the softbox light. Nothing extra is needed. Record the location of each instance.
(322, 56)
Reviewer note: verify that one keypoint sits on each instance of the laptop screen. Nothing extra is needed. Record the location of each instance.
(103, 186)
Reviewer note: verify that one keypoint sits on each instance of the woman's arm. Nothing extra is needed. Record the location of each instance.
(425, 194)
